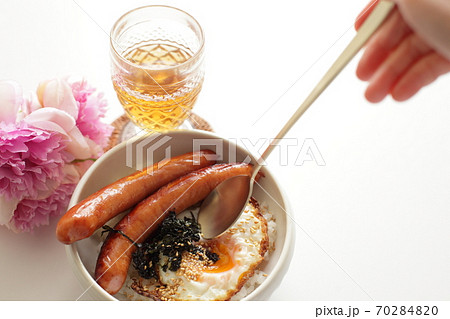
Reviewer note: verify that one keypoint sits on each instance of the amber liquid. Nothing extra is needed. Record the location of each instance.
(157, 97)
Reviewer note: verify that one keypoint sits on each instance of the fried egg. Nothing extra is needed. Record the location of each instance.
(241, 249)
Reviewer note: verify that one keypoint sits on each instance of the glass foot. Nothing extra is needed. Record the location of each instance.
(131, 130)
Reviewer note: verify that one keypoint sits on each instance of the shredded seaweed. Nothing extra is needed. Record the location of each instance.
(173, 237)
(107, 229)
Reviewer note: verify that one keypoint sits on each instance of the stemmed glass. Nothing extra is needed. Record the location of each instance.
(157, 65)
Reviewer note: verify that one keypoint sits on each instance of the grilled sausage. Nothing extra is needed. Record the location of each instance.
(92, 213)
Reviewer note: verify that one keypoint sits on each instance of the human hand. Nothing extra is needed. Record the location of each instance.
(409, 51)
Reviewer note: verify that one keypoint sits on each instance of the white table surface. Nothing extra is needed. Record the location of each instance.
(372, 223)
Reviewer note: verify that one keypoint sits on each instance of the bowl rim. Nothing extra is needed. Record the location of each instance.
(85, 277)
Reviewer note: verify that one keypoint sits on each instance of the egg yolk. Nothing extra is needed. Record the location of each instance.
(225, 261)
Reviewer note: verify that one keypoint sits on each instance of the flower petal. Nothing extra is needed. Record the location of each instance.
(10, 100)
(51, 119)
(78, 146)
(71, 174)
(8, 207)
(29, 105)
(31, 213)
(57, 93)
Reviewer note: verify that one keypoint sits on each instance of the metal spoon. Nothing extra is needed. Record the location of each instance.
(227, 201)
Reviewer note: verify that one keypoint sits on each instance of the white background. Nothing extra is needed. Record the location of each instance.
(373, 223)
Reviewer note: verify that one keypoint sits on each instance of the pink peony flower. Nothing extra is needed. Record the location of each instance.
(91, 109)
(31, 213)
(47, 142)
(31, 163)
(74, 110)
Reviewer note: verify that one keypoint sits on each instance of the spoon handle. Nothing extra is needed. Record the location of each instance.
(375, 19)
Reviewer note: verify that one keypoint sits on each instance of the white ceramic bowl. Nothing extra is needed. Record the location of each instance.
(139, 152)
